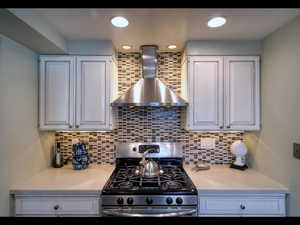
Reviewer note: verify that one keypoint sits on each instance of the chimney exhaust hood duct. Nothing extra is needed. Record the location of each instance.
(149, 90)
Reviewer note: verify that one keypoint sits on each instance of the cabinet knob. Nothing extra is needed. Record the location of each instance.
(56, 207)
(77, 126)
(70, 126)
(221, 127)
(228, 127)
(242, 206)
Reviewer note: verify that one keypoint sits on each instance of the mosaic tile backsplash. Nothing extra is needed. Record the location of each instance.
(151, 124)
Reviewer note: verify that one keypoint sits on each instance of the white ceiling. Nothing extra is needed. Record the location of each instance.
(165, 26)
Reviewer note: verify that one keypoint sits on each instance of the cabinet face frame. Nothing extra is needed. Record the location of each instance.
(69, 122)
(191, 76)
(229, 124)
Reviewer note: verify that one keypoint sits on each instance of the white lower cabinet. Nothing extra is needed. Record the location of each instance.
(242, 205)
(57, 206)
(209, 205)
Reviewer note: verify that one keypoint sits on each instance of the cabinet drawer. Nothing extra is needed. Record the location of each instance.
(242, 205)
(64, 205)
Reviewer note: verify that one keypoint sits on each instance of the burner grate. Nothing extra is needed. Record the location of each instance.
(126, 178)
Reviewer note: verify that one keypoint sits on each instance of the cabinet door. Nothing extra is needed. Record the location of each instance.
(92, 92)
(242, 93)
(205, 94)
(56, 90)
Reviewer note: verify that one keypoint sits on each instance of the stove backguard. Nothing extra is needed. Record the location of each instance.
(158, 150)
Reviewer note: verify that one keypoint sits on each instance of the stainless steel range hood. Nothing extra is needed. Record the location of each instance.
(149, 91)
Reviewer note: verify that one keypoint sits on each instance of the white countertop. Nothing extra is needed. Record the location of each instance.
(222, 179)
(64, 179)
(218, 179)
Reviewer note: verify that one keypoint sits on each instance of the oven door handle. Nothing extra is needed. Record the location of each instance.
(170, 214)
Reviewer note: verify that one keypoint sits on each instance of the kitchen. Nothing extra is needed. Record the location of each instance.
(149, 112)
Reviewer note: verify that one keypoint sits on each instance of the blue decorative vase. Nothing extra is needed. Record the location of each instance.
(80, 159)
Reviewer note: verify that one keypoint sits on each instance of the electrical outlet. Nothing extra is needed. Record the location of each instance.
(212, 143)
(296, 150)
(203, 143)
(208, 143)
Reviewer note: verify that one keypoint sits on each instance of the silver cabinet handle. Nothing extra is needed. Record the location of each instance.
(171, 214)
(242, 206)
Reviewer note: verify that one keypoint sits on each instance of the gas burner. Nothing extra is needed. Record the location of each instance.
(126, 184)
(174, 185)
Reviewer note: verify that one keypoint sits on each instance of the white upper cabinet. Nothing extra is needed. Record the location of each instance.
(56, 86)
(223, 92)
(206, 93)
(92, 92)
(76, 99)
(242, 98)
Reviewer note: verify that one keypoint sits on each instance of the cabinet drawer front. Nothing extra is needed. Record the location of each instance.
(242, 205)
(67, 205)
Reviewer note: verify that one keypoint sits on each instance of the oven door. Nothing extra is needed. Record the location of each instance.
(153, 211)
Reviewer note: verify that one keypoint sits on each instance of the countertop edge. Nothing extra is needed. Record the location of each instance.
(67, 192)
(243, 191)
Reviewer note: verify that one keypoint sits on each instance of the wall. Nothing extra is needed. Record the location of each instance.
(151, 124)
(40, 24)
(24, 150)
(271, 148)
(224, 47)
(90, 47)
(31, 30)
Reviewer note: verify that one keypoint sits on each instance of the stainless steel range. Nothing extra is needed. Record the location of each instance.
(149, 180)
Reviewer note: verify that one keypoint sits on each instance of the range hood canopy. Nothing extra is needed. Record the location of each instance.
(149, 90)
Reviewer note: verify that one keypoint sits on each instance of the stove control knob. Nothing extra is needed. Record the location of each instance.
(169, 200)
(179, 200)
(130, 201)
(149, 201)
(120, 201)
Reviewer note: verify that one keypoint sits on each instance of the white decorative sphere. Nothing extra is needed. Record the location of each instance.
(239, 148)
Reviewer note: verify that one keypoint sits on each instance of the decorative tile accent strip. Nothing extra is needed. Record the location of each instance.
(151, 124)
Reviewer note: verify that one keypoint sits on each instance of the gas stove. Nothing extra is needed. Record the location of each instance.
(172, 180)
(170, 193)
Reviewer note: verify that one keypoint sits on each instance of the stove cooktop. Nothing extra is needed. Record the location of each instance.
(173, 179)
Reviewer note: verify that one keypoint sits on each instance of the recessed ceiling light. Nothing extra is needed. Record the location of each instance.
(172, 46)
(126, 47)
(119, 21)
(216, 22)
